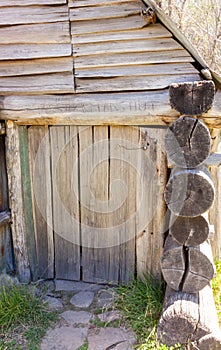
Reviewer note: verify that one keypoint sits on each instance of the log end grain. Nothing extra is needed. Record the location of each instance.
(187, 142)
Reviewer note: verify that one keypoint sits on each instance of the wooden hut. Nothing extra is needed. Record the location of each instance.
(84, 106)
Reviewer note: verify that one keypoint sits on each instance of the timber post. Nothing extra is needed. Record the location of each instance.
(189, 314)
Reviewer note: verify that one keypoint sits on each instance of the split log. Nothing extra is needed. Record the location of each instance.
(189, 192)
(192, 98)
(188, 269)
(190, 319)
(189, 231)
(187, 142)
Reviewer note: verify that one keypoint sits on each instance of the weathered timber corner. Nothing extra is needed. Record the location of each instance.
(84, 99)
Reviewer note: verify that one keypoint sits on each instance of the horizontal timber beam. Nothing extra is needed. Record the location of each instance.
(136, 108)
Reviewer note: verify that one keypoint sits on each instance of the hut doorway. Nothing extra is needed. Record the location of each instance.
(96, 198)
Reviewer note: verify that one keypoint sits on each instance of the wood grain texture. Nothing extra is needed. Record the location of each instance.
(188, 269)
(163, 44)
(187, 142)
(33, 14)
(151, 208)
(86, 3)
(137, 108)
(136, 70)
(189, 192)
(40, 33)
(65, 204)
(123, 9)
(190, 317)
(16, 203)
(36, 66)
(132, 58)
(129, 84)
(193, 98)
(150, 32)
(189, 231)
(31, 2)
(39, 84)
(27, 201)
(5, 217)
(31, 51)
(40, 173)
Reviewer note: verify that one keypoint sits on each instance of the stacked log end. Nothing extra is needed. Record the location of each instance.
(189, 314)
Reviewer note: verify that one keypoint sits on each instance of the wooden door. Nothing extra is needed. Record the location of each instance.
(6, 249)
(97, 201)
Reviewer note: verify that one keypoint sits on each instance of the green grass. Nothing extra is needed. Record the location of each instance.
(141, 304)
(23, 316)
(216, 285)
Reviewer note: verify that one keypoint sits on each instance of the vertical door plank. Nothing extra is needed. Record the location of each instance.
(39, 158)
(123, 179)
(151, 213)
(97, 249)
(64, 158)
(27, 200)
(16, 202)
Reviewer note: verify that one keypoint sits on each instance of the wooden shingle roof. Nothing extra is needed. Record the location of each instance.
(83, 47)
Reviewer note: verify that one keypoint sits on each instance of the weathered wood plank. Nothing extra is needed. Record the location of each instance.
(187, 318)
(151, 208)
(137, 108)
(99, 255)
(40, 172)
(189, 192)
(33, 14)
(107, 25)
(27, 200)
(163, 44)
(44, 83)
(130, 71)
(66, 215)
(40, 33)
(123, 187)
(122, 9)
(16, 202)
(192, 98)
(86, 3)
(187, 142)
(24, 51)
(4, 205)
(128, 84)
(31, 2)
(156, 31)
(133, 58)
(36, 66)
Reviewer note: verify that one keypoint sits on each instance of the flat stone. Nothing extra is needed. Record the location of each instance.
(7, 281)
(116, 338)
(64, 338)
(72, 286)
(105, 298)
(82, 299)
(53, 303)
(76, 317)
(110, 316)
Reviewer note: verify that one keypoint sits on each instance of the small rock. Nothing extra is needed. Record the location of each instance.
(115, 338)
(82, 299)
(110, 316)
(76, 317)
(7, 281)
(64, 338)
(53, 303)
(105, 298)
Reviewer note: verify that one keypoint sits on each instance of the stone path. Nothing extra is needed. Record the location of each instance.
(87, 318)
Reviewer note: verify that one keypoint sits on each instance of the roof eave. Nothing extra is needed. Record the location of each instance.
(171, 26)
